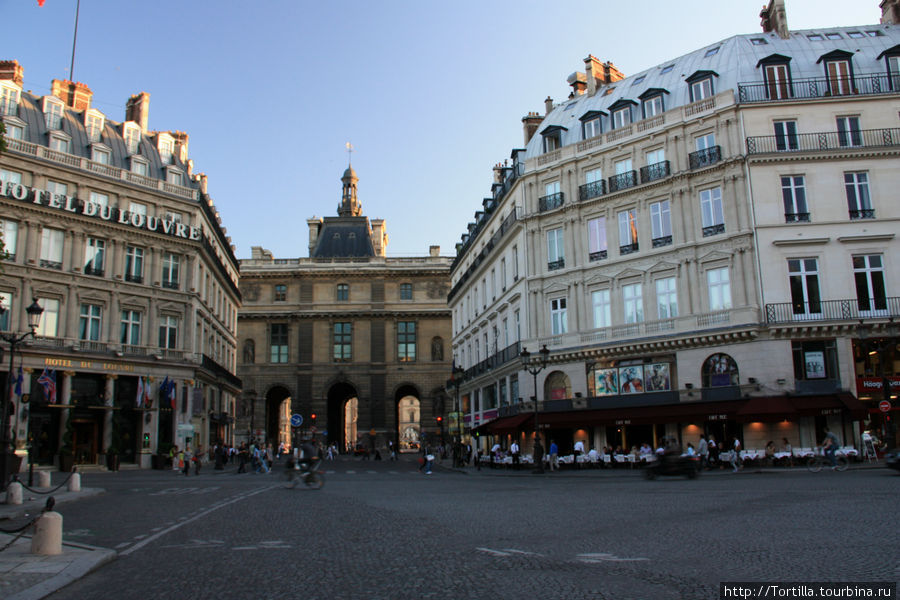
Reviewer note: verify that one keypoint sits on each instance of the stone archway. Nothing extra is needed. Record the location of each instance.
(342, 417)
(557, 386)
(409, 414)
(278, 413)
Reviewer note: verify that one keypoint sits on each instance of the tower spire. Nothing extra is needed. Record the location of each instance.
(350, 206)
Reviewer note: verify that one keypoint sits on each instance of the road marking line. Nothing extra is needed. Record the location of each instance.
(140, 537)
(185, 521)
(492, 552)
(351, 472)
(245, 548)
(123, 544)
(604, 557)
(514, 551)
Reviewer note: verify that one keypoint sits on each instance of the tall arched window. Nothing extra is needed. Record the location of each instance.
(720, 370)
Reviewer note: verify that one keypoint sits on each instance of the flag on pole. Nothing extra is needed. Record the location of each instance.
(48, 382)
(147, 401)
(140, 392)
(41, 2)
(172, 393)
(19, 381)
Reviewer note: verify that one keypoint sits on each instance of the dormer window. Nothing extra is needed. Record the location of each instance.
(174, 176)
(552, 137)
(100, 153)
(93, 124)
(132, 136)
(166, 147)
(591, 124)
(652, 102)
(53, 112)
(892, 60)
(777, 76)
(701, 85)
(667, 69)
(621, 112)
(9, 100)
(838, 71)
(60, 141)
(711, 52)
(140, 166)
(15, 128)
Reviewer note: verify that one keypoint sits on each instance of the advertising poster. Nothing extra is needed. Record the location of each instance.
(606, 382)
(815, 365)
(657, 377)
(631, 379)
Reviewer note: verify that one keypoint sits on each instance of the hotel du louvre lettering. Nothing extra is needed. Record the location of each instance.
(72, 204)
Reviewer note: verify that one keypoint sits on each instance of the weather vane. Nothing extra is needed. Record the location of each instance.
(349, 153)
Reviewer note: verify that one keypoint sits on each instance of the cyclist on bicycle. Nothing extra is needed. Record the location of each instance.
(830, 446)
(309, 454)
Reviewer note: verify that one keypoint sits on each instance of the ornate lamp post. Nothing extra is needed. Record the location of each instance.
(454, 381)
(7, 454)
(534, 366)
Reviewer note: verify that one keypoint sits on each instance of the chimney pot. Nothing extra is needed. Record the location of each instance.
(137, 109)
(74, 94)
(11, 70)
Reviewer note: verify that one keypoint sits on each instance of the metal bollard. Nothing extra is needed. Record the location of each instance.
(47, 540)
(75, 482)
(14, 493)
(43, 479)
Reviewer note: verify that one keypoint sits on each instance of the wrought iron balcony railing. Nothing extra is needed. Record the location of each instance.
(591, 190)
(665, 240)
(92, 270)
(802, 217)
(550, 202)
(833, 310)
(628, 249)
(714, 229)
(825, 140)
(595, 256)
(622, 181)
(818, 87)
(655, 171)
(705, 157)
(172, 285)
(554, 265)
(865, 213)
(134, 278)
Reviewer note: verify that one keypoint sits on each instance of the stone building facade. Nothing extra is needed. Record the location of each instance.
(107, 226)
(345, 337)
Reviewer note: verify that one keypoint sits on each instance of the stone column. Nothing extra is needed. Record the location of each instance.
(71, 312)
(64, 396)
(109, 400)
(20, 428)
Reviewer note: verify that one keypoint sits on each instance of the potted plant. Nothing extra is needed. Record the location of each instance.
(67, 450)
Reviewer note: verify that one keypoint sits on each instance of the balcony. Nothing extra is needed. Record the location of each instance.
(555, 265)
(826, 140)
(134, 278)
(550, 202)
(665, 240)
(622, 181)
(590, 190)
(92, 270)
(628, 249)
(704, 158)
(796, 217)
(655, 171)
(51, 264)
(498, 359)
(714, 229)
(595, 256)
(833, 310)
(170, 285)
(865, 213)
(818, 87)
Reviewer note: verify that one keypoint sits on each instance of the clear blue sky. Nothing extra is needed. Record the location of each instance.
(430, 94)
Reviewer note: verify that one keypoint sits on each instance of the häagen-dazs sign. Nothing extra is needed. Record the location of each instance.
(73, 205)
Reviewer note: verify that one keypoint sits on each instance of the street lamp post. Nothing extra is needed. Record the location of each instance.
(535, 366)
(454, 381)
(13, 339)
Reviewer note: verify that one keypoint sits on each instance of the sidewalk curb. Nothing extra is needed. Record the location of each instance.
(80, 567)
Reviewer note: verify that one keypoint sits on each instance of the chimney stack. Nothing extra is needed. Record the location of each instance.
(74, 94)
(379, 237)
(578, 81)
(774, 18)
(434, 251)
(599, 74)
(11, 70)
(181, 145)
(548, 105)
(137, 109)
(530, 123)
(890, 12)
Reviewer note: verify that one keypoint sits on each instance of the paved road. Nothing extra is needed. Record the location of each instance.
(383, 530)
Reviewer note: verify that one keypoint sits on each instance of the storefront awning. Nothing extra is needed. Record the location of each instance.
(682, 412)
(766, 408)
(506, 424)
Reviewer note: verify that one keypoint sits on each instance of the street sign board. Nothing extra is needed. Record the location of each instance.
(296, 420)
(884, 406)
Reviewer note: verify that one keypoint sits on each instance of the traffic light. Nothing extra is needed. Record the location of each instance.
(146, 443)
(312, 419)
(439, 419)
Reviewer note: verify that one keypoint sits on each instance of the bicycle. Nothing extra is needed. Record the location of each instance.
(310, 475)
(819, 460)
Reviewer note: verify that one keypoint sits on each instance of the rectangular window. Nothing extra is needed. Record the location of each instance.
(6, 303)
(9, 101)
(503, 274)
(343, 342)
(140, 167)
(406, 341)
(655, 156)
(591, 128)
(52, 248)
(280, 293)
(719, 286)
(168, 332)
(893, 71)
(634, 304)
(777, 82)
(132, 139)
(343, 292)
(858, 201)
(49, 324)
(53, 112)
(10, 231)
(597, 238)
(849, 134)
(59, 143)
(278, 343)
(602, 308)
(653, 106)
(134, 264)
(793, 193)
(515, 263)
(94, 256)
(166, 149)
(558, 321)
(711, 211)
(94, 126)
(137, 208)
(666, 298)
(100, 155)
(628, 234)
(130, 330)
(868, 271)
(406, 292)
(11, 176)
(702, 89)
(556, 253)
(57, 189)
(621, 117)
(170, 265)
(804, 281)
(661, 223)
(786, 136)
(101, 200)
(89, 323)
(704, 142)
(174, 177)
(623, 166)
(839, 81)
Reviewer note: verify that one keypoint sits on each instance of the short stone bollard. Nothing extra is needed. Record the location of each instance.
(43, 479)
(47, 539)
(75, 482)
(14, 493)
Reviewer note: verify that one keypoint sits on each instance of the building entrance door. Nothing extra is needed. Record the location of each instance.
(85, 441)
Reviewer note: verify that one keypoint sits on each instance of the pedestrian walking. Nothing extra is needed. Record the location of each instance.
(703, 451)
(554, 456)
(514, 450)
(243, 457)
(538, 455)
(736, 455)
(198, 457)
(186, 458)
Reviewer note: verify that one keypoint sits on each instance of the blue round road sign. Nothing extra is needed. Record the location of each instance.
(296, 420)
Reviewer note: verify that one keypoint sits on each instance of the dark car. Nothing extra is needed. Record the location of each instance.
(892, 460)
(672, 463)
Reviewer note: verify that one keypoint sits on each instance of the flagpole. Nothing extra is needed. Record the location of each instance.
(74, 39)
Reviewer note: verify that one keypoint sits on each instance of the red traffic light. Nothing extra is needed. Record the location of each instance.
(439, 419)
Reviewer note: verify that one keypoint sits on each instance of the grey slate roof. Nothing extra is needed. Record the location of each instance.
(735, 62)
(343, 237)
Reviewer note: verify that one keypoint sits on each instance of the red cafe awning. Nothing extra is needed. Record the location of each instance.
(766, 408)
(507, 424)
